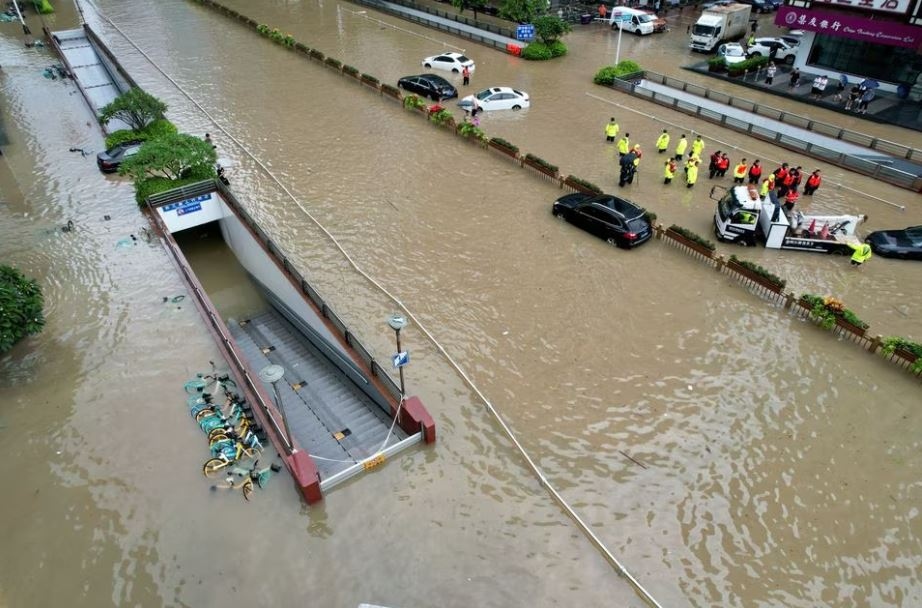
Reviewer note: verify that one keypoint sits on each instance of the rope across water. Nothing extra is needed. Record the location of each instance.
(583, 526)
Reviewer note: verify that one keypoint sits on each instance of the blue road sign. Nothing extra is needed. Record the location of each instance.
(401, 359)
(525, 32)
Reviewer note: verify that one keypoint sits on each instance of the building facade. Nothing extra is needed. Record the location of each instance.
(876, 39)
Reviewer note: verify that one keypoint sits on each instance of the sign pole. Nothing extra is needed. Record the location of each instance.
(618, 49)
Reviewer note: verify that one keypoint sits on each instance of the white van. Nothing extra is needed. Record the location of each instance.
(641, 22)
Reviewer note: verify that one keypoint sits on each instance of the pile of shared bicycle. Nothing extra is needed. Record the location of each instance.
(235, 439)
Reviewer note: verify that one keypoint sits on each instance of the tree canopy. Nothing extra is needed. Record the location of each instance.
(475, 5)
(21, 305)
(550, 28)
(173, 156)
(522, 11)
(135, 107)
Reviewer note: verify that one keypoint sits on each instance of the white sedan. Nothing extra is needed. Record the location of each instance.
(732, 52)
(450, 62)
(497, 98)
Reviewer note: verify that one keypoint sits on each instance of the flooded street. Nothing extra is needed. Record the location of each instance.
(777, 466)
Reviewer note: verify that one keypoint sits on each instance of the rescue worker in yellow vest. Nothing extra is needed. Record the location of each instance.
(624, 144)
(669, 171)
(740, 171)
(862, 253)
(680, 148)
(611, 130)
(768, 184)
(697, 147)
(691, 175)
(662, 142)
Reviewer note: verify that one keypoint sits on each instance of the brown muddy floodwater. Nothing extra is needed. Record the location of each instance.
(781, 467)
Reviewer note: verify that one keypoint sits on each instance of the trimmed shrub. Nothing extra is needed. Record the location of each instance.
(334, 63)
(694, 237)
(317, 54)
(541, 162)
(499, 141)
(441, 116)
(585, 184)
(469, 129)
(156, 185)
(412, 102)
(158, 128)
(557, 48)
(537, 51)
(650, 216)
(756, 269)
(348, 69)
(828, 309)
(370, 79)
(893, 343)
(608, 74)
(390, 90)
(21, 304)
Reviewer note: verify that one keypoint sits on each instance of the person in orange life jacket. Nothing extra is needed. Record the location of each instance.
(813, 182)
(798, 175)
(739, 172)
(755, 172)
(722, 165)
(712, 165)
(780, 173)
(790, 199)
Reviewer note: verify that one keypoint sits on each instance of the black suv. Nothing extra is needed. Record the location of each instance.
(428, 85)
(618, 221)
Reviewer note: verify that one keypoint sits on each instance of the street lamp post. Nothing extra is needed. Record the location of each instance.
(397, 322)
(272, 374)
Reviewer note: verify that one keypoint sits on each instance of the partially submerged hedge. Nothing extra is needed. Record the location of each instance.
(762, 272)
(608, 74)
(694, 237)
(156, 129)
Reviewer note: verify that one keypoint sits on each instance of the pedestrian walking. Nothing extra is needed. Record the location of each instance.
(813, 182)
(680, 147)
(722, 165)
(840, 87)
(669, 171)
(697, 147)
(611, 130)
(753, 26)
(603, 12)
(208, 140)
(624, 144)
(755, 172)
(770, 73)
(662, 142)
(466, 75)
(712, 164)
(628, 168)
(691, 174)
(795, 78)
(740, 171)
(862, 253)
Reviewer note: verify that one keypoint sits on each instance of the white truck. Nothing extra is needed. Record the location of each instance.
(743, 217)
(718, 24)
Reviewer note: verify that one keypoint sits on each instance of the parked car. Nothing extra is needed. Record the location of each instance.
(732, 52)
(497, 98)
(793, 37)
(428, 85)
(110, 160)
(905, 244)
(760, 6)
(762, 47)
(618, 221)
(451, 62)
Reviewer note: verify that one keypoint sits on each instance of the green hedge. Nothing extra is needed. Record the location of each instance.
(538, 51)
(352, 71)
(21, 304)
(156, 185)
(540, 161)
(894, 343)
(756, 269)
(336, 63)
(828, 309)
(692, 236)
(608, 74)
(585, 184)
(370, 79)
(499, 141)
(156, 129)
